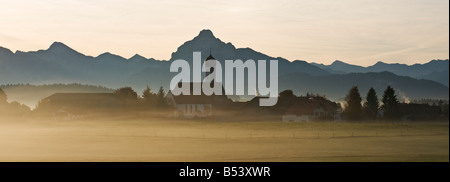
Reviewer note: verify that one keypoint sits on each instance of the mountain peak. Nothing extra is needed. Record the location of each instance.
(109, 56)
(338, 62)
(105, 54)
(5, 51)
(380, 63)
(137, 57)
(206, 33)
(60, 47)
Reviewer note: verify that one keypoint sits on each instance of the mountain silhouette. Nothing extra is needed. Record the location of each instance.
(436, 70)
(206, 42)
(406, 87)
(59, 47)
(62, 64)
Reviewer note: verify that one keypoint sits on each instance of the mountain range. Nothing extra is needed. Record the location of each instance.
(61, 64)
(436, 70)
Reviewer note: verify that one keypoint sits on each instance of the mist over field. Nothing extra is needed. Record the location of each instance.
(353, 81)
(92, 123)
(150, 138)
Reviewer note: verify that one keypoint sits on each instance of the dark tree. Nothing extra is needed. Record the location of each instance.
(445, 110)
(128, 96)
(11, 109)
(390, 104)
(42, 106)
(3, 98)
(371, 105)
(149, 98)
(286, 94)
(161, 101)
(18, 109)
(353, 109)
(126, 93)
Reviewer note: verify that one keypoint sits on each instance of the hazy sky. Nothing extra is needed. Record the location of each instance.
(355, 31)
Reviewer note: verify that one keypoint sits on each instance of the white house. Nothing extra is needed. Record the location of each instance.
(191, 106)
(196, 106)
(309, 109)
(299, 114)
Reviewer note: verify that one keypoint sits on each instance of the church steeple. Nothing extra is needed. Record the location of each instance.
(210, 57)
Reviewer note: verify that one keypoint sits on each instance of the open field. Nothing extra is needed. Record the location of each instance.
(171, 140)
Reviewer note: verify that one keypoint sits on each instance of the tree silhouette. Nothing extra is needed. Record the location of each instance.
(161, 98)
(3, 97)
(353, 109)
(42, 106)
(12, 109)
(17, 108)
(126, 93)
(286, 94)
(149, 98)
(371, 105)
(128, 96)
(390, 104)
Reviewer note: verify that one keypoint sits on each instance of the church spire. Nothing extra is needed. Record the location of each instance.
(210, 57)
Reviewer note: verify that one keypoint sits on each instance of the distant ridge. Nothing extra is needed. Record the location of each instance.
(436, 70)
(62, 64)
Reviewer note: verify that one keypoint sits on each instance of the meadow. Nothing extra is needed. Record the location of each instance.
(203, 140)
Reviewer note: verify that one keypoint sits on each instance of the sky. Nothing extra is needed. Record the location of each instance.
(360, 32)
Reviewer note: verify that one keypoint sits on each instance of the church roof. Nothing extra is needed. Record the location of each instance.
(198, 99)
(210, 57)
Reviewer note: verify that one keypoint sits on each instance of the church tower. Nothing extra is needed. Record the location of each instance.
(210, 57)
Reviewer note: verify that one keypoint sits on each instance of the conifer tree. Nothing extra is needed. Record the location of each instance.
(161, 98)
(390, 104)
(353, 109)
(3, 97)
(371, 105)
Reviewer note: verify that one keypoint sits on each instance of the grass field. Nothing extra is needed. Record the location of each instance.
(158, 140)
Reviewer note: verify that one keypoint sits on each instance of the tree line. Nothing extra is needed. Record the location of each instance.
(149, 99)
(372, 109)
(14, 108)
(354, 110)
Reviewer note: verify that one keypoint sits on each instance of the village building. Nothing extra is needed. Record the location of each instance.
(72, 106)
(197, 106)
(414, 112)
(306, 109)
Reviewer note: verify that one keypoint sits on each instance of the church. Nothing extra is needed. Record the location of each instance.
(197, 106)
